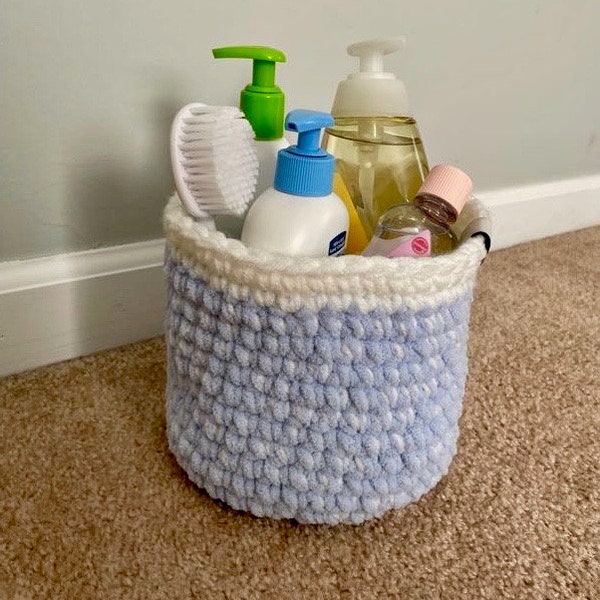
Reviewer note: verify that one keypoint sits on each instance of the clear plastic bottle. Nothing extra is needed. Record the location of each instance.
(423, 228)
(380, 159)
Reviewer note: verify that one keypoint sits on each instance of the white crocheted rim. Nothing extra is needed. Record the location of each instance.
(292, 283)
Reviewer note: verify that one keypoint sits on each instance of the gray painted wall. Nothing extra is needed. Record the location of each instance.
(509, 90)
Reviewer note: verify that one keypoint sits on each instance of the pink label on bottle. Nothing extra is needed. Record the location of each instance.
(418, 244)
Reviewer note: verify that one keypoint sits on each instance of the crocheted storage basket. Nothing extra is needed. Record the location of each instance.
(324, 390)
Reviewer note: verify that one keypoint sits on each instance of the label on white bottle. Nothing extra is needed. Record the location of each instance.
(337, 244)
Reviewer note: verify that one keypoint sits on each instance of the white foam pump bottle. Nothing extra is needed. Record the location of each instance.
(299, 215)
(380, 156)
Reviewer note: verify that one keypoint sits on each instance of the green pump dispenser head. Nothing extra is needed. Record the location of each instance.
(261, 101)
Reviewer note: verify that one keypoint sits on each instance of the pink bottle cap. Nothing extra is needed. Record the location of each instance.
(448, 183)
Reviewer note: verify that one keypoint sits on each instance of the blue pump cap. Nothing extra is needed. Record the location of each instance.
(305, 169)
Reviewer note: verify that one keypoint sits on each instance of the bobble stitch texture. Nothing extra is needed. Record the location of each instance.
(290, 399)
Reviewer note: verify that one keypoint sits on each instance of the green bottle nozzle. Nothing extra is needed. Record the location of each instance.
(261, 101)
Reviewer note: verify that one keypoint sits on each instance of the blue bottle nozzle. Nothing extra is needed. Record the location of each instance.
(305, 169)
(308, 125)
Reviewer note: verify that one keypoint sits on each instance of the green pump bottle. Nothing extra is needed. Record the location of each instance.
(263, 104)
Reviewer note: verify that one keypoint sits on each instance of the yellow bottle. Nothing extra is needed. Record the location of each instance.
(380, 159)
(357, 238)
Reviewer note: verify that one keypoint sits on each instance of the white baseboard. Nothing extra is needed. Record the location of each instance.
(532, 212)
(59, 307)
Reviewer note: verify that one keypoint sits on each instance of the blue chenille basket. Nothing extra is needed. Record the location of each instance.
(324, 390)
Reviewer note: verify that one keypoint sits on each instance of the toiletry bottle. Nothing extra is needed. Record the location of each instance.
(380, 159)
(263, 104)
(299, 215)
(423, 228)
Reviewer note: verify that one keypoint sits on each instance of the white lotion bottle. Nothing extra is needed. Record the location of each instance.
(300, 215)
(263, 104)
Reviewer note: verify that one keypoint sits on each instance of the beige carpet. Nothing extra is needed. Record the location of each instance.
(94, 506)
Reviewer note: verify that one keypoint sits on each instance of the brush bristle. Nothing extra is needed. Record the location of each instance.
(216, 151)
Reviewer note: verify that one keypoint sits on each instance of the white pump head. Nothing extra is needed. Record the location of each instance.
(371, 53)
(371, 92)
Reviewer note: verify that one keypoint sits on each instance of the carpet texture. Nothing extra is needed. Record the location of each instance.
(92, 504)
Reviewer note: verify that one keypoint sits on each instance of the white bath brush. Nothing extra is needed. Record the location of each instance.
(214, 160)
